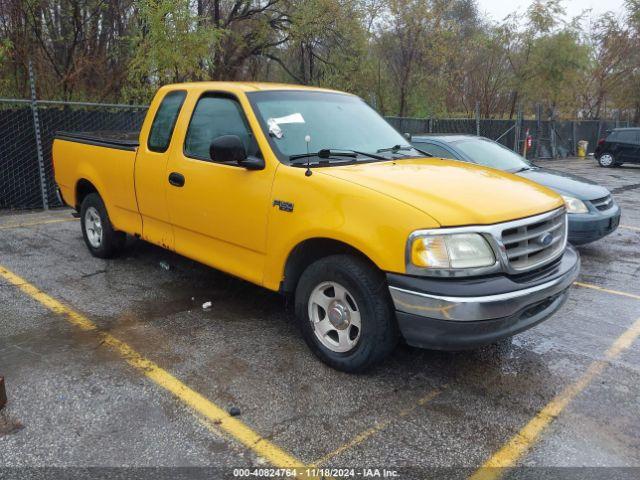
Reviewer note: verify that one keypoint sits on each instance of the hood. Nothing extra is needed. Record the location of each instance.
(453, 193)
(565, 183)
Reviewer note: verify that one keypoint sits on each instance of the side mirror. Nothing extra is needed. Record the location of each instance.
(252, 163)
(230, 149)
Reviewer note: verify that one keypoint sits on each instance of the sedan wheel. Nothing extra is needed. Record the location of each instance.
(606, 160)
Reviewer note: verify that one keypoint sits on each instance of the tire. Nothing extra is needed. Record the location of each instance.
(98, 233)
(607, 160)
(365, 298)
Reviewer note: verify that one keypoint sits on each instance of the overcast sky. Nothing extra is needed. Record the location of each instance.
(499, 9)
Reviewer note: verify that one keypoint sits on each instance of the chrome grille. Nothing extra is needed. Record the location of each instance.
(529, 245)
(603, 203)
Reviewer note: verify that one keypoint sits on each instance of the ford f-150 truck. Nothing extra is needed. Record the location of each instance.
(310, 192)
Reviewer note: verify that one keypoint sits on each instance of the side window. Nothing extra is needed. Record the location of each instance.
(213, 117)
(165, 121)
(626, 136)
(435, 150)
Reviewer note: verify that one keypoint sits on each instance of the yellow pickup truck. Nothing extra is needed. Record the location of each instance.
(309, 192)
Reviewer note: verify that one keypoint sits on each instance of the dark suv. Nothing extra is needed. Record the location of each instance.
(621, 145)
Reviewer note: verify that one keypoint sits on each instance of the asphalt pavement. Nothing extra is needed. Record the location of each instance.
(564, 394)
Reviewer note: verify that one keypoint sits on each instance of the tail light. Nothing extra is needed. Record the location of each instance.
(601, 141)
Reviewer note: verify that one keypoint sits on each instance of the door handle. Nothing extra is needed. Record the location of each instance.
(176, 179)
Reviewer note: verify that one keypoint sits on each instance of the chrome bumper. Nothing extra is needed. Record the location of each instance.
(479, 308)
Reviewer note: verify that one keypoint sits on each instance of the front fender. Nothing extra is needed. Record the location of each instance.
(327, 207)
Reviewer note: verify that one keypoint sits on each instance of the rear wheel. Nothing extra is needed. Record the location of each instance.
(345, 313)
(607, 160)
(98, 233)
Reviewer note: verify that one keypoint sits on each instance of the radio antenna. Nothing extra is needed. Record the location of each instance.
(308, 173)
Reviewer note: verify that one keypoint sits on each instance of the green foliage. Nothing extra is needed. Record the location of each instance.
(407, 57)
(543, 16)
(5, 52)
(633, 10)
(170, 45)
(327, 44)
(557, 62)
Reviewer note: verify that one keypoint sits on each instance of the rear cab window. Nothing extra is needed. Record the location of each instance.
(165, 121)
(216, 115)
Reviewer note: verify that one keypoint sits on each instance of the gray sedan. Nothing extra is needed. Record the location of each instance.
(592, 211)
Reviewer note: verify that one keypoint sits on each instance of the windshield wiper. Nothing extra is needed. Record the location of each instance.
(398, 148)
(426, 154)
(395, 148)
(333, 152)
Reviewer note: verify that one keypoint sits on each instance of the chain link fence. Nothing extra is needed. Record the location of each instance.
(549, 138)
(20, 185)
(28, 128)
(503, 131)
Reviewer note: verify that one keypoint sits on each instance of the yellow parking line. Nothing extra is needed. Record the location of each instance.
(522, 441)
(33, 224)
(362, 436)
(231, 425)
(607, 290)
(637, 229)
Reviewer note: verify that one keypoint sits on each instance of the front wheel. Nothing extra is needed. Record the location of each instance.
(607, 160)
(345, 313)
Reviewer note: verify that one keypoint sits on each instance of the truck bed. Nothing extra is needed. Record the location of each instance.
(110, 139)
(106, 161)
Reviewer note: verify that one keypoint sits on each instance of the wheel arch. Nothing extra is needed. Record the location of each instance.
(310, 250)
(83, 188)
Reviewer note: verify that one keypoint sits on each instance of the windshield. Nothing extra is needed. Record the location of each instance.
(331, 121)
(492, 154)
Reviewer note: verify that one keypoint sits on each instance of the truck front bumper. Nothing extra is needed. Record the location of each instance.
(457, 313)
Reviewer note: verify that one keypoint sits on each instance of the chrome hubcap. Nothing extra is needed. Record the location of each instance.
(93, 227)
(334, 316)
(339, 315)
(606, 159)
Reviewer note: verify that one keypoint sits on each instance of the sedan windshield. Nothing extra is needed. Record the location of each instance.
(301, 122)
(492, 154)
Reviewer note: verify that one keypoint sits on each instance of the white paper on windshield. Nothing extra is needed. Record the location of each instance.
(274, 123)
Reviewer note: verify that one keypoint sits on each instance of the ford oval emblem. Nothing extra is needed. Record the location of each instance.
(545, 239)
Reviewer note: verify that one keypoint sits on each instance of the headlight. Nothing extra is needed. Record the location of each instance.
(459, 250)
(574, 205)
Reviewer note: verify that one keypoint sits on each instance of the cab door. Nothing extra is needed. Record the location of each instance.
(151, 168)
(219, 210)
